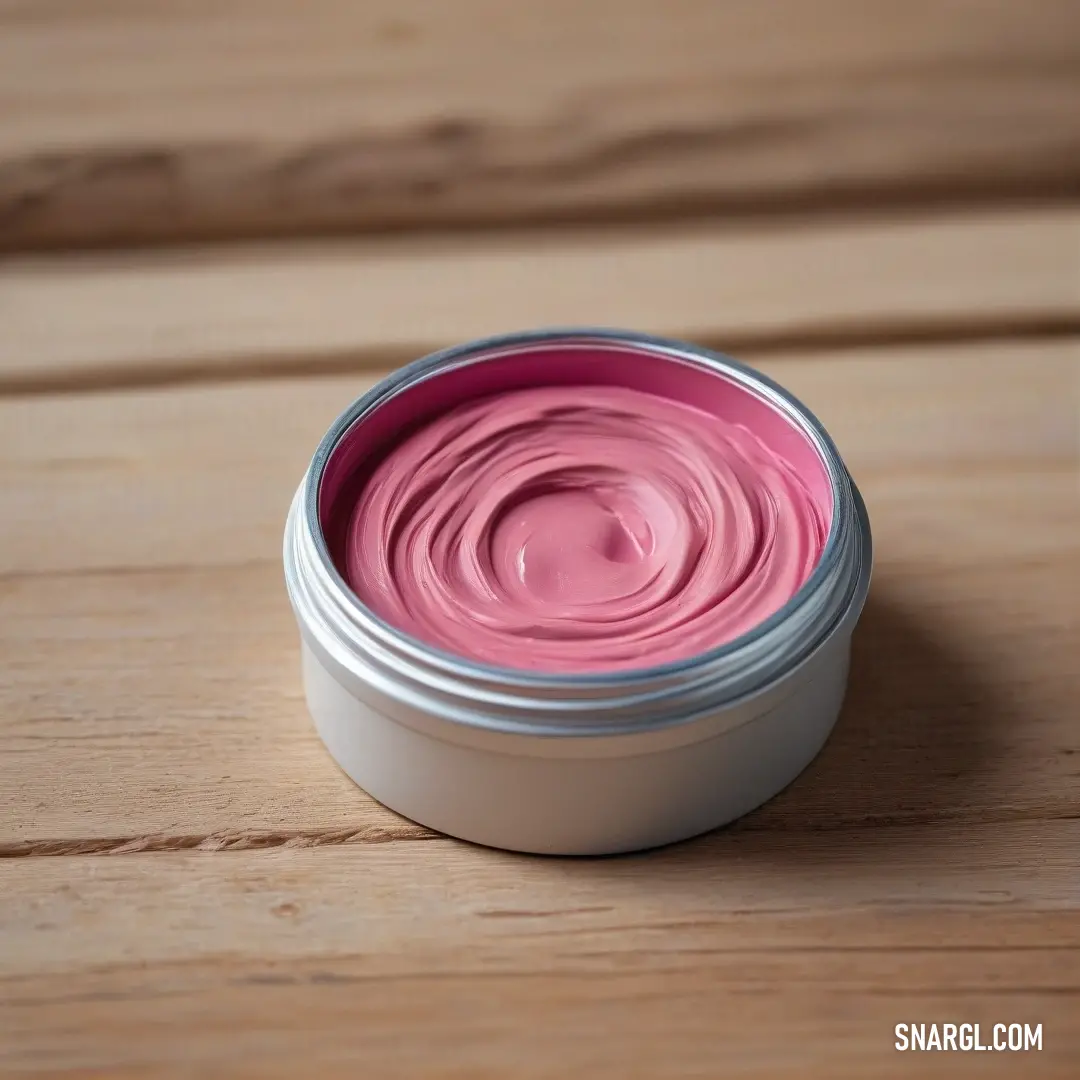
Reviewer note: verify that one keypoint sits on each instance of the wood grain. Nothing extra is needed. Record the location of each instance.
(299, 904)
(742, 953)
(813, 1014)
(155, 121)
(105, 321)
(147, 635)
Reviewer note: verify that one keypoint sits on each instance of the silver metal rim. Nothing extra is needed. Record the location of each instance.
(468, 692)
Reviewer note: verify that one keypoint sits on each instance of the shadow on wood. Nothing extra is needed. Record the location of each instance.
(919, 735)
(916, 730)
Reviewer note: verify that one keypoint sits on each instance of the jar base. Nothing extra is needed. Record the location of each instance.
(588, 805)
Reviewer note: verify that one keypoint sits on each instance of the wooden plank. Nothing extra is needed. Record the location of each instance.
(743, 953)
(133, 122)
(804, 1023)
(119, 480)
(790, 886)
(146, 633)
(101, 321)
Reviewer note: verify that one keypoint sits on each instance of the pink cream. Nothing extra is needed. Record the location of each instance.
(637, 519)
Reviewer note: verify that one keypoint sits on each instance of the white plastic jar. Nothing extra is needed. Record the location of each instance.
(568, 764)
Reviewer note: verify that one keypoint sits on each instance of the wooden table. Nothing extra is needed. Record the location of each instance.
(189, 886)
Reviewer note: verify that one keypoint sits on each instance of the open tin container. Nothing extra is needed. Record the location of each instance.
(566, 763)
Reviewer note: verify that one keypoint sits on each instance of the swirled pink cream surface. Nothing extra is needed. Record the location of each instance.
(581, 529)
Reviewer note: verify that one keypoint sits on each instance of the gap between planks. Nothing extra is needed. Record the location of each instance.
(225, 840)
(405, 831)
(808, 342)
